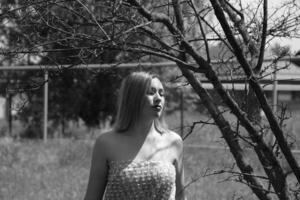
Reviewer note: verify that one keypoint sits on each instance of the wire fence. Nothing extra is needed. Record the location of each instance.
(206, 85)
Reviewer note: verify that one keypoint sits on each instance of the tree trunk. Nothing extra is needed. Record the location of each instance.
(230, 137)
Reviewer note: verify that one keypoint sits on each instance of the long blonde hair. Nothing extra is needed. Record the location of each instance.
(131, 102)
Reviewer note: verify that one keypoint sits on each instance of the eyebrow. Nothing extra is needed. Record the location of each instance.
(160, 89)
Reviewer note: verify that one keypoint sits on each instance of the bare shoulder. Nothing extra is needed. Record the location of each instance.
(175, 139)
(175, 143)
(105, 141)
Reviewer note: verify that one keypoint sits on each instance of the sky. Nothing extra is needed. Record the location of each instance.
(293, 43)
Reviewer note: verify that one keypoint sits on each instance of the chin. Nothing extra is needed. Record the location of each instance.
(156, 115)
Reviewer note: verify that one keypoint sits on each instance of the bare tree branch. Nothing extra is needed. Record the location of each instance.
(258, 91)
(191, 2)
(95, 20)
(241, 27)
(263, 38)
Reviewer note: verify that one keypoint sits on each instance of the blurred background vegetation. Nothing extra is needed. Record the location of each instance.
(82, 104)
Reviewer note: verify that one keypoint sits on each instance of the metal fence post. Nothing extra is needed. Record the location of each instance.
(46, 82)
(274, 99)
(181, 112)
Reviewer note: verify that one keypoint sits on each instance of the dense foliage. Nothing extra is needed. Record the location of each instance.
(88, 95)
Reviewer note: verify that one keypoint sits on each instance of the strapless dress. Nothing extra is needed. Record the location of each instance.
(140, 180)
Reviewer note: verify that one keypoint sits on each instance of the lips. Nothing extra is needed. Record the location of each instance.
(157, 107)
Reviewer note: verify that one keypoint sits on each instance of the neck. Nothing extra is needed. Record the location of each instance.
(143, 128)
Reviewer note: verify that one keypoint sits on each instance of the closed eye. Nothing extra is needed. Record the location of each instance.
(153, 90)
(161, 93)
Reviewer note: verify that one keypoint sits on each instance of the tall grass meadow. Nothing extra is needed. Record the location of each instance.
(59, 169)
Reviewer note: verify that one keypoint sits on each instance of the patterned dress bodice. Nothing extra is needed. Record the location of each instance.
(140, 180)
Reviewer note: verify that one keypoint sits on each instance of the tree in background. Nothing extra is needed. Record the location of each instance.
(183, 32)
(72, 92)
(297, 62)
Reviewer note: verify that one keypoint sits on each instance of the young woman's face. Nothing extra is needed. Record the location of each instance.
(154, 99)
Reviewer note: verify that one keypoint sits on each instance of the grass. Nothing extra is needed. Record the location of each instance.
(58, 170)
(34, 170)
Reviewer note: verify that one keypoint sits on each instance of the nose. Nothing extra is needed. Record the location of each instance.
(157, 98)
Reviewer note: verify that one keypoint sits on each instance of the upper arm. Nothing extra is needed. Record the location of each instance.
(180, 194)
(98, 172)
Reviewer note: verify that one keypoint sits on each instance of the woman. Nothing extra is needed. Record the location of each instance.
(140, 159)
